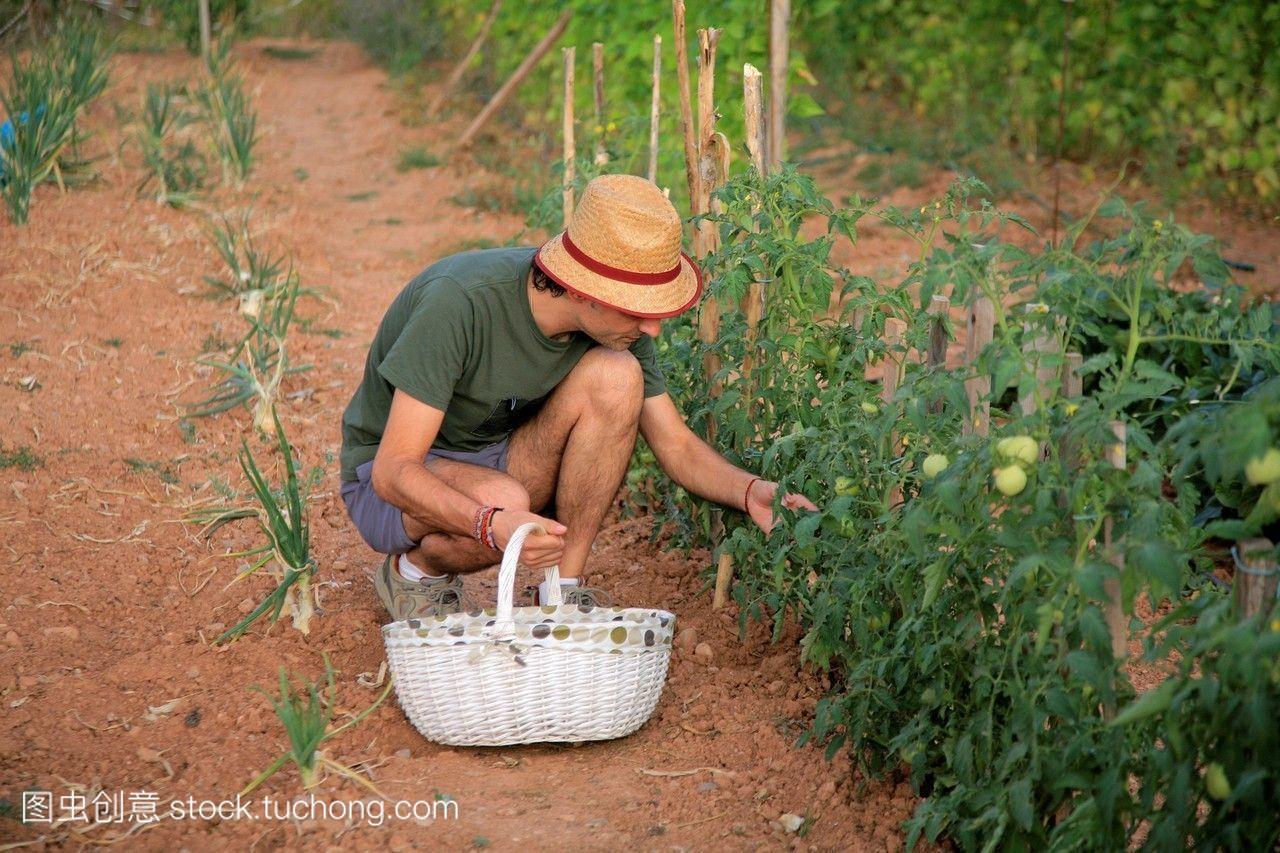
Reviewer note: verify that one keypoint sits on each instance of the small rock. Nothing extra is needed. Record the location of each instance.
(791, 822)
(146, 753)
(704, 653)
(12, 638)
(215, 627)
(738, 829)
(597, 822)
(770, 812)
(193, 719)
(707, 786)
(69, 632)
(246, 605)
(687, 640)
(776, 687)
(193, 672)
(404, 753)
(657, 829)
(828, 790)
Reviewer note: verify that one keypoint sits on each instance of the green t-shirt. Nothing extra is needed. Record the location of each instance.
(461, 338)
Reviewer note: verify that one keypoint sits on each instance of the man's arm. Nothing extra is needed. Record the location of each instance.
(699, 469)
(399, 477)
(687, 459)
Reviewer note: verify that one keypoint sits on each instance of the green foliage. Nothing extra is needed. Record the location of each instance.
(397, 34)
(415, 157)
(21, 458)
(966, 629)
(1190, 85)
(249, 266)
(43, 97)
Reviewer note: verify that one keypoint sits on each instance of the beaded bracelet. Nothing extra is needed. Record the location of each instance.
(480, 521)
(488, 529)
(746, 495)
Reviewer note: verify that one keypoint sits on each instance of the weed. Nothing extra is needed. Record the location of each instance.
(417, 157)
(160, 469)
(489, 198)
(22, 458)
(301, 173)
(306, 712)
(362, 196)
(17, 348)
(249, 266)
(288, 53)
(114, 343)
(187, 429)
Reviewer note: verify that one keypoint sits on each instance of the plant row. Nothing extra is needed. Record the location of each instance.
(959, 580)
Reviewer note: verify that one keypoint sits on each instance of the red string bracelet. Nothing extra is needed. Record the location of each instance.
(746, 495)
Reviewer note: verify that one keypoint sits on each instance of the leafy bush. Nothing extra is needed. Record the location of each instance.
(175, 166)
(183, 18)
(398, 34)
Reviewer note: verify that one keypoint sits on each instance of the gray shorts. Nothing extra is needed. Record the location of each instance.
(382, 524)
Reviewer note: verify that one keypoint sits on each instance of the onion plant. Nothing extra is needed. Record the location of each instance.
(230, 116)
(286, 554)
(43, 97)
(254, 370)
(249, 267)
(307, 715)
(176, 172)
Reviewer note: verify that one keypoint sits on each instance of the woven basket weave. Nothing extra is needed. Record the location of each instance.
(508, 675)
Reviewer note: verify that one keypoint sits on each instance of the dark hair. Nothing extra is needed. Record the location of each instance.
(543, 283)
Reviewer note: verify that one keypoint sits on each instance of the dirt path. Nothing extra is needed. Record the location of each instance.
(107, 681)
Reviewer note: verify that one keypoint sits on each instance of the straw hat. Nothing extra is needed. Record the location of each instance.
(622, 249)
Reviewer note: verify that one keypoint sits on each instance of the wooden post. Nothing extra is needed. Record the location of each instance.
(653, 109)
(779, 58)
(597, 99)
(981, 328)
(936, 357)
(686, 108)
(753, 103)
(1257, 575)
(1037, 347)
(570, 153)
(709, 158)
(206, 31)
(1072, 387)
(891, 376)
(753, 106)
(1113, 608)
(724, 579)
(517, 77)
(451, 82)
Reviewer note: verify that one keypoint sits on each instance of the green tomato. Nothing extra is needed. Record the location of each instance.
(1010, 480)
(870, 408)
(1022, 448)
(846, 486)
(934, 464)
(1265, 469)
(1216, 783)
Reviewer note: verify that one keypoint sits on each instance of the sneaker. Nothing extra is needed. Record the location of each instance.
(581, 596)
(406, 599)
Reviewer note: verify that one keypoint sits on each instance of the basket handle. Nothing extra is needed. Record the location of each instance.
(503, 624)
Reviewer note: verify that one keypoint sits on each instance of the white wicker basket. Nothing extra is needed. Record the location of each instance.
(508, 675)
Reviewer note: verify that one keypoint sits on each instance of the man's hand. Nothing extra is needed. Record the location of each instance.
(760, 504)
(540, 550)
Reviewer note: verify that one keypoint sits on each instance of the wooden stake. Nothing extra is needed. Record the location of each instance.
(451, 82)
(597, 99)
(206, 31)
(891, 376)
(779, 58)
(1114, 605)
(686, 108)
(936, 357)
(1037, 348)
(653, 109)
(1072, 388)
(517, 77)
(1257, 575)
(708, 157)
(753, 103)
(570, 153)
(724, 579)
(981, 328)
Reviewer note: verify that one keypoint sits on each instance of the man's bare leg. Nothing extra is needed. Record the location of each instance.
(578, 447)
